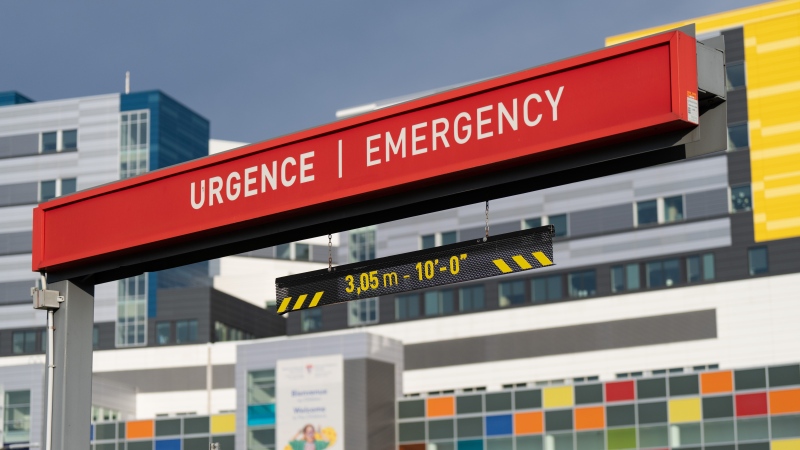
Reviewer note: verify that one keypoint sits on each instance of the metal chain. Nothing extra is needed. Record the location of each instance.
(330, 253)
(487, 222)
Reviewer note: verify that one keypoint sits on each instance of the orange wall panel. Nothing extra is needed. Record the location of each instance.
(784, 401)
(139, 429)
(714, 382)
(589, 418)
(441, 406)
(528, 422)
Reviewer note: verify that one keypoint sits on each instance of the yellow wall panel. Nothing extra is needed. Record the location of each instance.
(792, 444)
(557, 397)
(223, 424)
(684, 410)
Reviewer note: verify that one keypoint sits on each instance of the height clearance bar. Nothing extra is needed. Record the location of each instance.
(455, 263)
(610, 96)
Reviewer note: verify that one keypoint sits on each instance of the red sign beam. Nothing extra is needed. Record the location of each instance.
(555, 112)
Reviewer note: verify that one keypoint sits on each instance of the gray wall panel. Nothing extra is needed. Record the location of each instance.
(172, 379)
(16, 243)
(380, 405)
(734, 45)
(626, 333)
(601, 220)
(19, 194)
(682, 185)
(737, 106)
(739, 168)
(13, 292)
(706, 204)
(355, 404)
(20, 145)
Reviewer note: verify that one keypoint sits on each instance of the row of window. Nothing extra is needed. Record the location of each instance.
(58, 141)
(224, 333)
(185, 332)
(16, 417)
(50, 189)
(655, 211)
(294, 251)
(662, 273)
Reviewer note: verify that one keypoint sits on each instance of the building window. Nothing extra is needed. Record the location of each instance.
(24, 342)
(660, 210)
(362, 312)
(737, 136)
(435, 240)
(50, 189)
(17, 417)
(406, 307)
(185, 331)
(132, 312)
(283, 251)
(302, 252)
(625, 278)
(735, 75)
(50, 142)
(700, 268)
(163, 333)
(741, 198)
(672, 209)
(134, 144)
(225, 333)
(547, 289)
(511, 293)
(362, 244)
(559, 221)
(261, 387)
(95, 337)
(438, 303)
(471, 298)
(663, 273)
(311, 320)
(646, 212)
(582, 284)
(69, 139)
(758, 260)
(527, 224)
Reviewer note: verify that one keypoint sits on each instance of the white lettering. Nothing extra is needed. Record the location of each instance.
(304, 167)
(440, 134)
(415, 139)
(371, 150)
(231, 196)
(248, 180)
(554, 103)
(467, 128)
(202, 195)
(396, 147)
(214, 189)
(502, 112)
(267, 177)
(290, 181)
(481, 123)
(528, 122)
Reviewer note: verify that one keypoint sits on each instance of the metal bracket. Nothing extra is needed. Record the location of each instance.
(46, 299)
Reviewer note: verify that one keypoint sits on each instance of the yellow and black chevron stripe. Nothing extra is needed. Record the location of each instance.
(522, 262)
(300, 301)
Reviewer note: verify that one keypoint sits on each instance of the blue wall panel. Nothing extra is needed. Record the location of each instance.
(499, 425)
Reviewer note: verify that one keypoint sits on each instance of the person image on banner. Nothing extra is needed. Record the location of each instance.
(307, 438)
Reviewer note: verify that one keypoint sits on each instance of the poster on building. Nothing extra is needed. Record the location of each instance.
(310, 403)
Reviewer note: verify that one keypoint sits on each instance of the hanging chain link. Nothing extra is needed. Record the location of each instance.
(485, 238)
(330, 254)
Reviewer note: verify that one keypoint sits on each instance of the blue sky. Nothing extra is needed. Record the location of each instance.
(260, 69)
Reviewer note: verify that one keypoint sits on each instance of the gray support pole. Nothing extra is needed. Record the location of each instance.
(72, 391)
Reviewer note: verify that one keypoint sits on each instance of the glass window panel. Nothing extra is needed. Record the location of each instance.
(471, 298)
(654, 271)
(441, 446)
(750, 379)
(590, 440)
(196, 443)
(785, 426)
(683, 385)
(560, 224)
(527, 399)
(49, 142)
(170, 427)
(558, 420)
(673, 209)
(715, 432)
(469, 427)
(311, 320)
(684, 434)
(362, 244)
(431, 299)
(708, 267)
(284, 251)
(500, 444)
(261, 439)
(411, 408)
(428, 241)
(617, 279)
(621, 438)
(554, 290)
(632, 276)
(737, 136)
(406, 306)
(672, 272)
(134, 134)
(652, 412)
(693, 274)
(620, 415)
(68, 185)
(498, 402)
(784, 375)
(143, 133)
(163, 333)
(717, 407)
(741, 198)
(447, 299)
(69, 139)
(47, 190)
(734, 75)
(413, 431)
(647, 212)
(302, 252)
(440, 429)
(195, 425)
(752, 429)
(529, 442)
(558, 441)
(449, 237)
(469, 404)
(582, 284)
(532, 223)
(653, 436)
(141, 445)
(512, 293)
(758, 260)
(592, 393)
